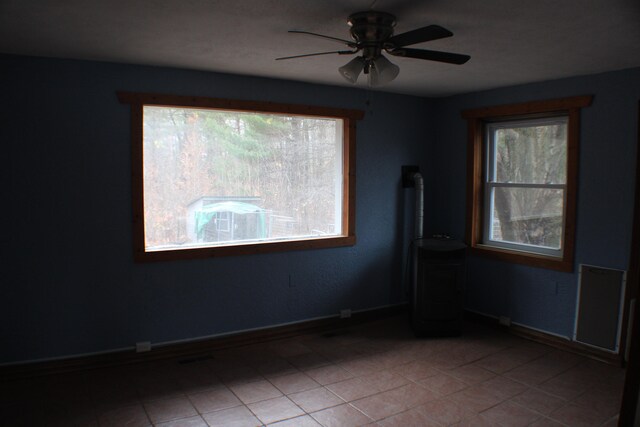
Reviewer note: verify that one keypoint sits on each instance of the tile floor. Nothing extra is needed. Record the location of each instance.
(373, 374)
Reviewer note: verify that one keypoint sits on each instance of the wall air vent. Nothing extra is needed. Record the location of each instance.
(599, 307)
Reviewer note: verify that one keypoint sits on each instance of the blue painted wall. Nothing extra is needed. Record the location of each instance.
(539, 298)
(70, 285)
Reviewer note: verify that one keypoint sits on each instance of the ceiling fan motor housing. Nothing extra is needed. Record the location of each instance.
(370, 29)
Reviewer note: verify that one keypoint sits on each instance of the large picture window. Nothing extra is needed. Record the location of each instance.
(218, 177)
(522, 181)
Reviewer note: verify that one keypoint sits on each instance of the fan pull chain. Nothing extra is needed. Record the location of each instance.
(369, 100)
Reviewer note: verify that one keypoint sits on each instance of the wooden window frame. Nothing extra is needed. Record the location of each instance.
(138, 100)
(476, 158)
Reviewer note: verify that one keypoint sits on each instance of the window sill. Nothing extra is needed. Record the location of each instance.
(245, 249)
(525, 258)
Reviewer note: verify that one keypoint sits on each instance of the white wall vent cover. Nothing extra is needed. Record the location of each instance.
(599, 307)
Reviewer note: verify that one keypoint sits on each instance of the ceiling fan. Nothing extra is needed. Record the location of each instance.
(372, 33)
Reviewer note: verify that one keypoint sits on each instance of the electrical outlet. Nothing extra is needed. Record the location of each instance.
(143, 346)
(504, 321)
(346, 313)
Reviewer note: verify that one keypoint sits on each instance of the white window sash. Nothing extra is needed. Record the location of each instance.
(490, 185)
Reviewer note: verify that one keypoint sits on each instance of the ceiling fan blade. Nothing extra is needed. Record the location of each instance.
(419, 35)
(347, 42)
(339, 52)
(431, 55)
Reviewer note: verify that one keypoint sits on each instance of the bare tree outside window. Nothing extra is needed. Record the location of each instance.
(526, 183)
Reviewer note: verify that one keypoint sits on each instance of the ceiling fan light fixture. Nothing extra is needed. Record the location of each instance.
(352, 69)
(382, 71)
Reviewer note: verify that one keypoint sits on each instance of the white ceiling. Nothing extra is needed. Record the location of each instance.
(510, 41)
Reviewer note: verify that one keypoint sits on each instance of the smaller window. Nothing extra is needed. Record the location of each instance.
(522, 170)
(525, 185)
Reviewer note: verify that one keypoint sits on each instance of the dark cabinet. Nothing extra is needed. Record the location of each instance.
(437, 303)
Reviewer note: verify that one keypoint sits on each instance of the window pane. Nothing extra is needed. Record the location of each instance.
(214, 177)
(530, 216)
(531, 154)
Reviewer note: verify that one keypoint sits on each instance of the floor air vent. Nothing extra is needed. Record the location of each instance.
(600, 302)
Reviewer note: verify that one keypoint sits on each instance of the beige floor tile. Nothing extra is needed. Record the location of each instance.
(341, 416)
(416, 370)
(411, 418)
(613, 421)
(498, 363)
(414, 394)
(578, 416)
(214, 400)
(359, 366)
(393, 358)
(539, 401)
(316, 399)
(602, 374)
(255, 391)
(273, 410)
(447, 360)
(385, 380)
(547, 422)
(475, 398)
(394, 401)
(471, 374)
(353, 389)
(443, 384)
(512, 357)
(509, 414)
(504, 388)
(239, 416)
(602, 401)
(565, 386)
(531, 374)
(380, 405)
(303, 421)
(169, 409)
(445, 411)
(196, 421)
(329, 374)
(477, 421)
(293, 383)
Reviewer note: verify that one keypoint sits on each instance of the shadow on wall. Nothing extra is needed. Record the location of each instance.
(531, 297)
